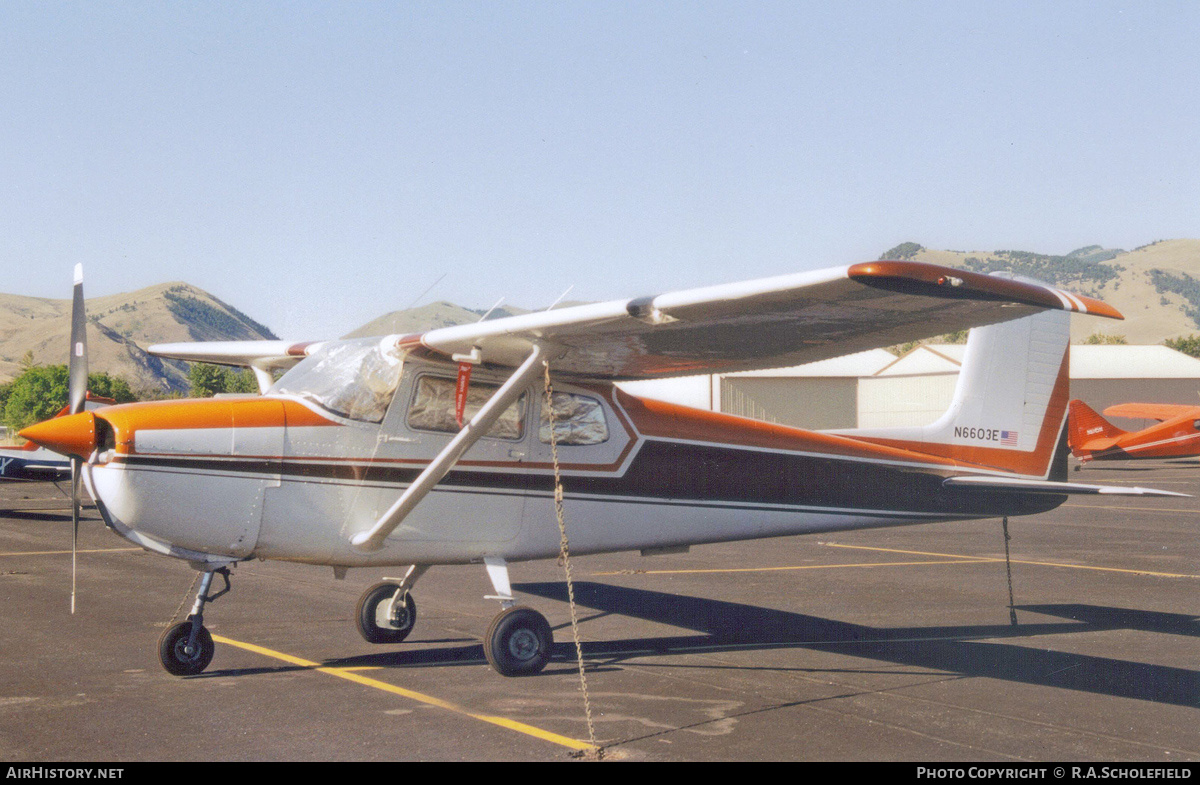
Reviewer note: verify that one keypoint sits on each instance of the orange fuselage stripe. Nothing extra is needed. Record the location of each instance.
(200, 413)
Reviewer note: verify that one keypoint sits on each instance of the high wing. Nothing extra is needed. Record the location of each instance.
(269, 355)
(1152, 411)
(263, 357)
(766, 323)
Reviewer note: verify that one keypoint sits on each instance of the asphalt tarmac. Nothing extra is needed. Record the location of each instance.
(883, 645)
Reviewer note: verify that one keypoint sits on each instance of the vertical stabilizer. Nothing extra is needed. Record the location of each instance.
(1010, 402)
(1086, 425)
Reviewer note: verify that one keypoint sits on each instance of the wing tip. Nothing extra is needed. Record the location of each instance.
(936, 280)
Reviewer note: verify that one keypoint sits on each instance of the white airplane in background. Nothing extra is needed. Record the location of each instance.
(437, 448)
(33, 463)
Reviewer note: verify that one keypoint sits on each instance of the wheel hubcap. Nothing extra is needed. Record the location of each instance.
(523, 644)
(183, 653)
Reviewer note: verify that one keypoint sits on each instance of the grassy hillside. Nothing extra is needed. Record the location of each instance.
(119, 327)
(1156, 286)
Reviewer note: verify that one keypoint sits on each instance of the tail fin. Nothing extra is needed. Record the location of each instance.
(1085, 425)
(1010, 403)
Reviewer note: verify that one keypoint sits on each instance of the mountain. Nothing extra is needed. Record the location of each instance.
(119, 327)
(427, 317)
(1156, 286)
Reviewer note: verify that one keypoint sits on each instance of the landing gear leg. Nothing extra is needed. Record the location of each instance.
(187, 648)
(519, 640)
(387, 612)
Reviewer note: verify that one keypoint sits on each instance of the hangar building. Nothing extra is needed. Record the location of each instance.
(877, 389)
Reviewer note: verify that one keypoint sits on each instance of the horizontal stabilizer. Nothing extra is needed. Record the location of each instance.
(1152, 411)
(1016, 485)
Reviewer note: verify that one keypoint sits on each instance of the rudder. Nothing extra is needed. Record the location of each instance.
(1086, 424)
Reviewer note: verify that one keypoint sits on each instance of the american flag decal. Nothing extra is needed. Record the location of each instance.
(1008, 438)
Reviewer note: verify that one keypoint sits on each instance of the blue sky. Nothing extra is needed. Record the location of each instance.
(319, 164)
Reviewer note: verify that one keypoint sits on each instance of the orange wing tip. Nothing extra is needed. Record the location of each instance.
(937, 281)
(73, 435)
(1097, 307)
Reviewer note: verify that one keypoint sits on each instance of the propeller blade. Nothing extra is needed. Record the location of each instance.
(75, 466)
(77, 373)
(77, 379)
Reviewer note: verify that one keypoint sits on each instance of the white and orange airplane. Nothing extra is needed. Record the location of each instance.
(1175, 435)
(441, 448)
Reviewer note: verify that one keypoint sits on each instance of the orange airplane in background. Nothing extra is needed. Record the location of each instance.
(1093, 438)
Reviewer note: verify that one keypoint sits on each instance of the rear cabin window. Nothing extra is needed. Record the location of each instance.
(578, 419)
(432, 408)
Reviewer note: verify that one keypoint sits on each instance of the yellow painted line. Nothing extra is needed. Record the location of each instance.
(962, 560)
(349, 675)
(60, 553)
(1018, 561)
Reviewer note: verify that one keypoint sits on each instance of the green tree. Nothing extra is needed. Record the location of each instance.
(243, 381)
(42, 391)
(209, 380)
(107, 386)
(1103, 339)
(1189, 345)
(37, 394)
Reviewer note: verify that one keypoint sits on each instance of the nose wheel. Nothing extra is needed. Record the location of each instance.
(179, 655)
(187, 648)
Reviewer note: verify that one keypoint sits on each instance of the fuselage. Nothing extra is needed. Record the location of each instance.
(1174, 438)
(282, 477)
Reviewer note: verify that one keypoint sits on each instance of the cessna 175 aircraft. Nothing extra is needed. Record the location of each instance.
(441, 448)
(1093, 438)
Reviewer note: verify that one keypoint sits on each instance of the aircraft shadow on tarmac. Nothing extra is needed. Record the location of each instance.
(965, 651)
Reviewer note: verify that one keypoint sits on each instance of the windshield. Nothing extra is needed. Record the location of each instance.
(355, 379)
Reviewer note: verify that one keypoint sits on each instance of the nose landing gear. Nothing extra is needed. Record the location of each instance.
(187, 648)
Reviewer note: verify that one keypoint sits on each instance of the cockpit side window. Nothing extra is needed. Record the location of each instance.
(578, 419)
(432, 408)
(354, 379)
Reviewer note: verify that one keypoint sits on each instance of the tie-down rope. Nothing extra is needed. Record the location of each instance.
(564, 558)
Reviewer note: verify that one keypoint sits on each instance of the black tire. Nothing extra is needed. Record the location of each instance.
(368, 605)
(173, 655)
(518, 642)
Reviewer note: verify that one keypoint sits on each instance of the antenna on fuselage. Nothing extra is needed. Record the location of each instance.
(428, 289)
(560, 297)
(489, 310)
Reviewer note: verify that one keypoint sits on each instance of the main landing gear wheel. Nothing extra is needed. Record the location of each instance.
(518, 642)
(178, 657)
(373, 620)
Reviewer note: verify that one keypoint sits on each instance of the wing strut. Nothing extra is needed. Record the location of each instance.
(372, 540)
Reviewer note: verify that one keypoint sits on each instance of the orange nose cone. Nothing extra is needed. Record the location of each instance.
(74, 434)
